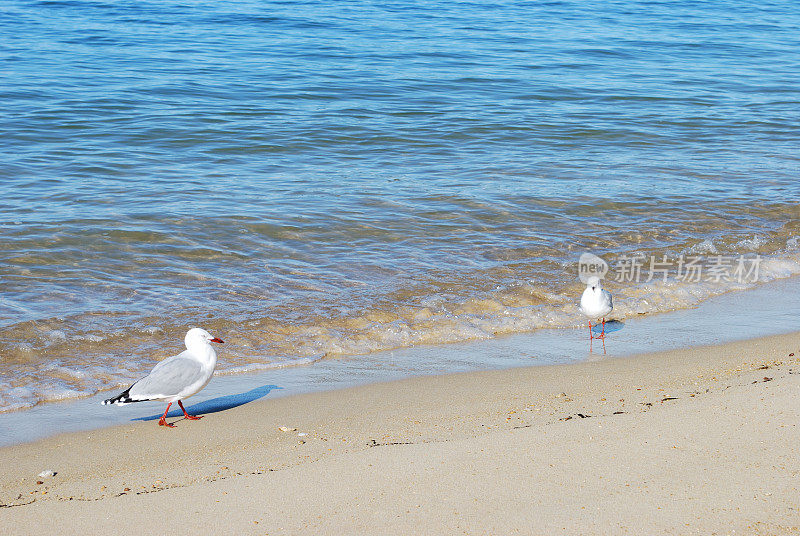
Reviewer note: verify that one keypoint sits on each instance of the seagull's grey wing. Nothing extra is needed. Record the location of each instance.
(609, 300)
(168, 378)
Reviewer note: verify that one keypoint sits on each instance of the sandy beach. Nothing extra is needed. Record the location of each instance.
(391, 213)
(700, 440)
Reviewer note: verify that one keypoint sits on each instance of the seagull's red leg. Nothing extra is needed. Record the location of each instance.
(590, 330)
(603, 336)
(163, 420)
(191, 417)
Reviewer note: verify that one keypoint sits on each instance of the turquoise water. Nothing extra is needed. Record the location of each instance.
(315, 179)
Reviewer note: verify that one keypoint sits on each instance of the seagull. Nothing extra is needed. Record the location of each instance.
(596, 303)
(176, 377)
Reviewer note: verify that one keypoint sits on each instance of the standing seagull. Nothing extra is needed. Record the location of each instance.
(596, 303)
(177, 377)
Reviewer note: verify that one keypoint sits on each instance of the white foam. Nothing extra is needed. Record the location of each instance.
(55, 393)
(17, 398)
(779, 267)
(704, 247)
(90, 337)
(253, 367)
(751, 244)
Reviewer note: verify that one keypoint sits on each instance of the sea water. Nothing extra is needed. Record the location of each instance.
(309, 180)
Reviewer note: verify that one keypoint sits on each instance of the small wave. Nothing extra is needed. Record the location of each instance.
(83, 364)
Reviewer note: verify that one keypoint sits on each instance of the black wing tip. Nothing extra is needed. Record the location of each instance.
(120, 399)
(117, 400)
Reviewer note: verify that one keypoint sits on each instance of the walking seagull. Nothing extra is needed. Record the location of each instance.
(596, 303)
(177, 377)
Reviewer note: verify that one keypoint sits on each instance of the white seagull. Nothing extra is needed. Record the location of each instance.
(596, 302)
(177, 377)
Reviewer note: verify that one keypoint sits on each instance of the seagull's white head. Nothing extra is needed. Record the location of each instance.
(593, 282)
(199, 336)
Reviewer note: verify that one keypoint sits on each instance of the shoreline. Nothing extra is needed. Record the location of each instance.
(766, 310)
(691, 439)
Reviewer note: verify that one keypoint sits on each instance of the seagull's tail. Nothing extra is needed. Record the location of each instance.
(121, 399)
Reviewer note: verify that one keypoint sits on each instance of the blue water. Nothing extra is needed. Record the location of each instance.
(311, 179)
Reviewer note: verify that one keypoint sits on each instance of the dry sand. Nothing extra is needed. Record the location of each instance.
(697, 441)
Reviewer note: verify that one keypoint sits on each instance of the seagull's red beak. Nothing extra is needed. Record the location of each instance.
(216, 339)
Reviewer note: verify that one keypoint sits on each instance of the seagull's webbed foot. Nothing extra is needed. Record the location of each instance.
(163, 420)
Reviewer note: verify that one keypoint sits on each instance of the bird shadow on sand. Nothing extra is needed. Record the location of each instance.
(611, 327)
(221, 403)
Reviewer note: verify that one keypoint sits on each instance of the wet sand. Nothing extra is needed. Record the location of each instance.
(685, 441)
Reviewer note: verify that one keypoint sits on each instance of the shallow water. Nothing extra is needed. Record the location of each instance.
(310, 179)
(769, 309)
